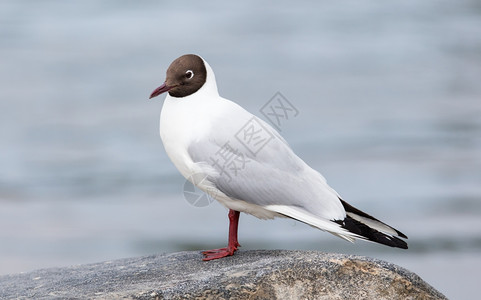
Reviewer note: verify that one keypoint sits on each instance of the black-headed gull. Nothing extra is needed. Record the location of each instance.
(246, 165)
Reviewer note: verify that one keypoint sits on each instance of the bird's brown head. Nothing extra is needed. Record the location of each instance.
(185, 76)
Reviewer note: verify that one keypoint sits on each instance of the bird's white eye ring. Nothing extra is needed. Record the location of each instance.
(189, 74)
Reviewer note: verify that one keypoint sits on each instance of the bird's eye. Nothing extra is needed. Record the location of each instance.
(189, 74)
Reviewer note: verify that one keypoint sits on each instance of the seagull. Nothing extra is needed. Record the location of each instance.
(243, 163)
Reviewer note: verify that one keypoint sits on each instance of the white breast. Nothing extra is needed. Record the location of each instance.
(179, 126)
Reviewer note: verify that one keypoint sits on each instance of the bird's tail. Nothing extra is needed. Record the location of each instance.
(370, 228)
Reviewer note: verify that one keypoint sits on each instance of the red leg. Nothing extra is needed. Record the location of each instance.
(233, 243)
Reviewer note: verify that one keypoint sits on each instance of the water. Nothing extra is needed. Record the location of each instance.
(389, 107)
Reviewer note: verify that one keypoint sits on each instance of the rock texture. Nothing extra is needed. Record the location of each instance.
(246, 275)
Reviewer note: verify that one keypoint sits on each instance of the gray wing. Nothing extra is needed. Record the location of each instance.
(253, 163)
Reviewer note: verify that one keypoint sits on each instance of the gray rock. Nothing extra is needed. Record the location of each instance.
(246, 275)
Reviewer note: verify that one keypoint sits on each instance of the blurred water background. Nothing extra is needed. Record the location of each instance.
(389, 100)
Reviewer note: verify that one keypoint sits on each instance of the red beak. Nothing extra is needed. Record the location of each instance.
(161, 89)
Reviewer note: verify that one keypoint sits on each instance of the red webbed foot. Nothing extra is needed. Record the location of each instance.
(218, 253)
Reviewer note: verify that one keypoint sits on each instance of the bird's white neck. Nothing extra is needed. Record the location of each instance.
(209, 88)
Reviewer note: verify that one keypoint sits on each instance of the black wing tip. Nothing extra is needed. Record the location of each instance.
(371, 234)
(349, 208)
(401, 234)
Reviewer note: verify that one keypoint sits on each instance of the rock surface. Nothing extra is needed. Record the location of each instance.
(247, 275)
